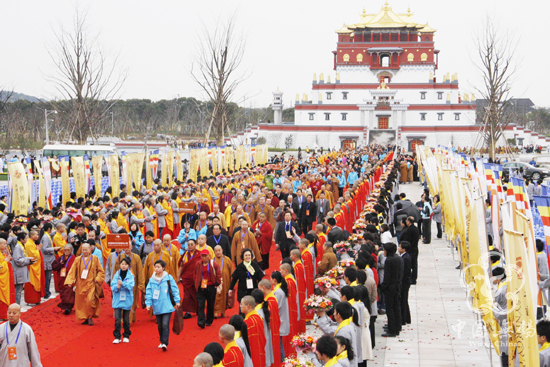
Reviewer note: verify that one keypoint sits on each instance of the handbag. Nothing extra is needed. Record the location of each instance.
(177, 324)
(230, 301)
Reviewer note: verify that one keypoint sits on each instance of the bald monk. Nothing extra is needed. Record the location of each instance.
(319, 231)
(187, 278)
(235, 219)
(300, 274)
(159, 253)
(274, 322)
(21, 349)
(137, 270)
(7, 287)
(233, 356)
(244, 239)
(34, 289)
(88, 276)
(286, 272)
(255, 328)
(226, 267)
(59, 240)
(172, 251)
(201, 245)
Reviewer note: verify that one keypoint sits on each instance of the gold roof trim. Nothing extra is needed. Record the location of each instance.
(427, 29)
(344, 30)
(387, 18)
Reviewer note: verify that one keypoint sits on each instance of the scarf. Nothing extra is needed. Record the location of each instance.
(248, 266)
(123, 274)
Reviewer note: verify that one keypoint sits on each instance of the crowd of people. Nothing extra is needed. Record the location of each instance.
(216, 256)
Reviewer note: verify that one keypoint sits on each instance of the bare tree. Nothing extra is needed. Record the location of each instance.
(86, 77)
(215, 68)
(496, 52)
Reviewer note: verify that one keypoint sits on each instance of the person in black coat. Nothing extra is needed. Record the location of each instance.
(218, 238)
(284, 234)
(404, 248)
(391, 286)
(308, 214)
(248, 273)
(335, 234)
(411, 234)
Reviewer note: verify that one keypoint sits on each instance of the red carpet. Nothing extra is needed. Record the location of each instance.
(62, 340)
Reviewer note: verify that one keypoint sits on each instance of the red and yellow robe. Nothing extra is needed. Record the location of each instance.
(256, 338)
(274, 325)
(293, 315)
(34, 290)
(233, 356)
(300, 274)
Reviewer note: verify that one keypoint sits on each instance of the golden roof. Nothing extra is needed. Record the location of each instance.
(387, 18)
(344, 30)
(427, 29)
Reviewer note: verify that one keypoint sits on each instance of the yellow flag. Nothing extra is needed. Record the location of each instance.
(115, 175)
(179, 166)
(170, 167)
(523, 326)
(204, 162)
(41, 189)
(79, 176)
(137, 169)
(194, 157)
(97, 164)
(65, 183)
(20, 188)
(148, 174)
(525, 226)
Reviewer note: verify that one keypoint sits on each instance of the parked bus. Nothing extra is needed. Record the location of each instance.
(57, 150)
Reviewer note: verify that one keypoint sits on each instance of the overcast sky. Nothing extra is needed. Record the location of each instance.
(287, 41)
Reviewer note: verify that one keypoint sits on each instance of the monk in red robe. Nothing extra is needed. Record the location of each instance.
(61, 267)
(187, 277)
(233, 356)
(275, 321)
(320, 244)
(300, 274)
(286, 272)
(309, 269)
(255, 328)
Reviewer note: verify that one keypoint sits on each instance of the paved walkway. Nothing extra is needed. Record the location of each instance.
(443, 330)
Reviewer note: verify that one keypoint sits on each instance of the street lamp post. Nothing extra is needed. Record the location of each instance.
(46, 114)
(112, 123)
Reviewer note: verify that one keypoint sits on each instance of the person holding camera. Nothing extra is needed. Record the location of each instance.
(20, 265)
(208, 276)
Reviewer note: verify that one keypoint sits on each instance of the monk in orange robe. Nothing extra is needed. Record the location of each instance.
(244, 239)
(286, 272)
(255, 328)
(300, 274)
(7, 287)
(34, 289)
(233, 356)
(274, 322)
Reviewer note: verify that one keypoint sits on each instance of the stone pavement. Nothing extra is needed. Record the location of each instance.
(444, 331)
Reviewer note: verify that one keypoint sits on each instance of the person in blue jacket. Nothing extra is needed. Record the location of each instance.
(352, 177)
(187, 233)
(122, 286)
(137, 238)
(341, 183)
(157, 295)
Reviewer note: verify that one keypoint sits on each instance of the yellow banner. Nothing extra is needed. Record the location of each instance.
(41, 189)
(79, 176)
(523, 326)
(213, 155)
(170, 167)
(164, 169)
(238, 157)
(115, 175)
(20, 188)
(228, 158)
(97, 165)
(205, 169)
(148, 174)
(65, 183)
(194, 158)
(179, 166)
(137, 169)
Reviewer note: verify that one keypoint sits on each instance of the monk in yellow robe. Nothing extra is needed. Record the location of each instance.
(137, 270)
(121, 220)
(201, 245)
(244, 239)
(7, 288)
(88, 276)
(227, 268)
(235, 219)
(172, 251)
(34, 289)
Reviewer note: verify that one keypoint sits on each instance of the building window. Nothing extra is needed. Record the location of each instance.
(440, 116)
(439, 95)
(327, 116)
(385, 61)
(311, 116)
(329, 95)
(423, 116)
(457, 116)
(422, 95)
(344, 95)
(344, 116)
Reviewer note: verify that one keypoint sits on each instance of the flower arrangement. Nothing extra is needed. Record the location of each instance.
(317, 303)
(341, 247)
(346, 263)
(335, 273)
(324, 283)
(303, 342)
(297, 362)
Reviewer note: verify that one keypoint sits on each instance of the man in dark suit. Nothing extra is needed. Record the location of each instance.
(323, 207)
(335, 233)
(297, 204)
(284, 235)
(403, 249)
(411, 234)
(308, 214)
(391, 286)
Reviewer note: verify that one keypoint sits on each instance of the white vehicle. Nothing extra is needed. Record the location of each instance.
(56, 150)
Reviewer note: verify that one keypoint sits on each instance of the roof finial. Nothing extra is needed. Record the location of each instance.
(386, 6)
(409, 10)
(364, 12)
